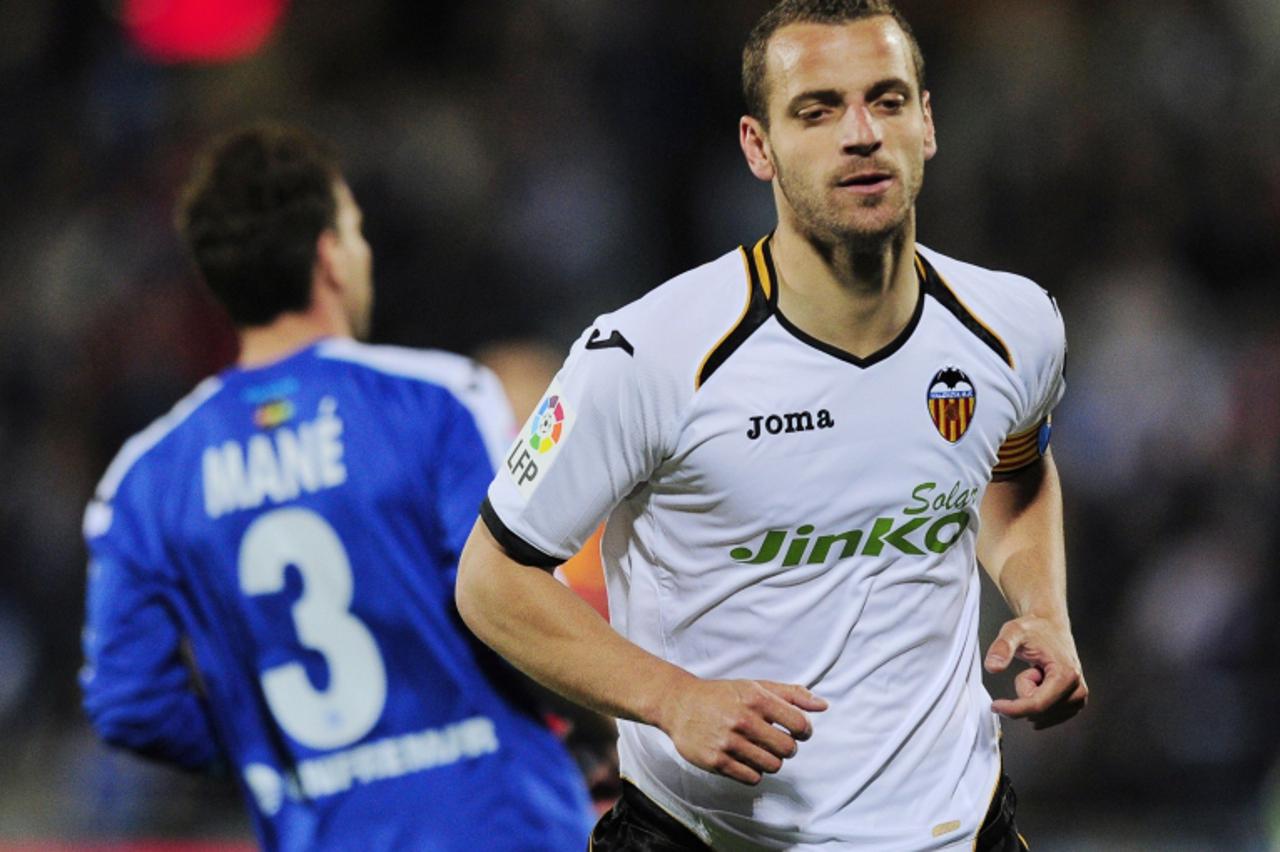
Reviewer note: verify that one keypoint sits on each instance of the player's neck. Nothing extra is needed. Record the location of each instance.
(285, 335)
(857, 301)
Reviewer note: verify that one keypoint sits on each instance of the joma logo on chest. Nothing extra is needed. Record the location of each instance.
(785, 424)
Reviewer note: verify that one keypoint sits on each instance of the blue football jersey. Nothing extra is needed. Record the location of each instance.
(271, 582)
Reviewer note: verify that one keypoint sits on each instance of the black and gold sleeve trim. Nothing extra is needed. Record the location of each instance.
(936, 287)
(1019, 451)
(516, 547)
(761, 293)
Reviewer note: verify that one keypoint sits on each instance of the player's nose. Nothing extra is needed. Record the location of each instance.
(860, 132)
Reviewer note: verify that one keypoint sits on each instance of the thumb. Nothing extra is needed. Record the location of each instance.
(796, 695)
(1002, 650)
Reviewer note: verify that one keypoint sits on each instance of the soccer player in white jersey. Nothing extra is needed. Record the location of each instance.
(803, 450)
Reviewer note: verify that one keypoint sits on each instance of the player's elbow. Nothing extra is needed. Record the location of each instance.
(116, 722)
(168, 728)
(155, 740)
(116, 727)
(105, 719)
(102, 707)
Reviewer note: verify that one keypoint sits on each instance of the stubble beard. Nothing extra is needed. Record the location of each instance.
(836, 237)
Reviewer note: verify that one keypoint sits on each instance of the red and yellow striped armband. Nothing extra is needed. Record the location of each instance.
(1022, 449)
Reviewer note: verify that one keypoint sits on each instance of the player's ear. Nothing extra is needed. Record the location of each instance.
(930, 133)
(755, 147)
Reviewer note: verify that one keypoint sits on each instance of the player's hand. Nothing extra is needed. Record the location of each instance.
(1052, 690)
(739, 728)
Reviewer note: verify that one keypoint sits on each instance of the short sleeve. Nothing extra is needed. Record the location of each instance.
(1049, 382)
(601, 429)
(1044, 376)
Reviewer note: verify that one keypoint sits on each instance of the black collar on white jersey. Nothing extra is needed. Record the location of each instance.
(762, 303)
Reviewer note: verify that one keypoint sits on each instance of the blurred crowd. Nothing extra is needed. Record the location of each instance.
(527, 164)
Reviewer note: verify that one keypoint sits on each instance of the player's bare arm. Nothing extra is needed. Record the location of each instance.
(1021, 546)
(741, 729)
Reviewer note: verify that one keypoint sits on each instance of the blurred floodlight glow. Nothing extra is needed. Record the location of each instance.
(176, 31)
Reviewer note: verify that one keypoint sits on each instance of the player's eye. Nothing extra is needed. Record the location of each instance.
(813, 114)
(891, 104)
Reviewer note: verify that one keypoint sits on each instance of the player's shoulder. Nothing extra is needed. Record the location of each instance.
(453, 372)
(1016, 313)
(670, 329)
(465, 380)
(145, 450)
(1011, 293)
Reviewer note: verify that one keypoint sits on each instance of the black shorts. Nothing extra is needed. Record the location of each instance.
(636, 824)
(999, 833)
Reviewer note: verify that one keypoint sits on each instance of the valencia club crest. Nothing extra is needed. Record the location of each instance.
(952, 401)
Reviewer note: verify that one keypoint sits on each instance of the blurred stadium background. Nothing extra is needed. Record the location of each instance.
(527, 164)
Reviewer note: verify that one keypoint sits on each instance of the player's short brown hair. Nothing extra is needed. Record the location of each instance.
(754, 82)
(250, 214)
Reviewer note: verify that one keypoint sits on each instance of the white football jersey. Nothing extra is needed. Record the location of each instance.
(778, 509)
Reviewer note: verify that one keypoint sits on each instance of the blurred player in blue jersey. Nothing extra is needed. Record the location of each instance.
(273, 562)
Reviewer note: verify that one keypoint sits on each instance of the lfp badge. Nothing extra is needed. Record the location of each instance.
(539, 443)
(952, 401)
(550, 425)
